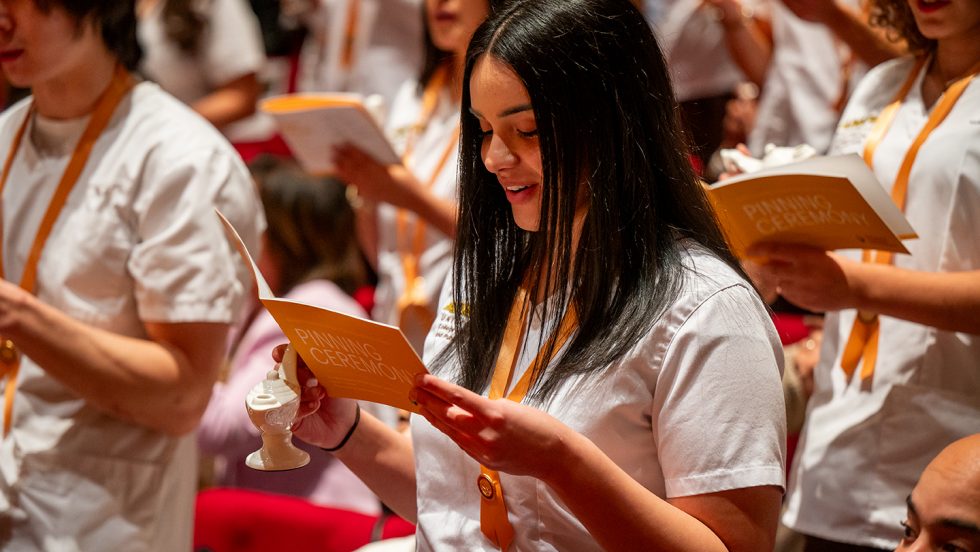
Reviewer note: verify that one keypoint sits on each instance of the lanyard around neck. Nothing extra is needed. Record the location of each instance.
(884, 122)
(122, 82)
(411, 245)
(862, 342)
(493, 510)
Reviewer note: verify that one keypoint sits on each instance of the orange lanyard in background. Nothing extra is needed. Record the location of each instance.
(411, 245)
(493, 510)
(122, 83)
(863, 339)
(350, 34)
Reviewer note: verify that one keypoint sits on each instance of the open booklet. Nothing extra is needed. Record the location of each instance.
(830, 202)
(352, 357)
(313, 124)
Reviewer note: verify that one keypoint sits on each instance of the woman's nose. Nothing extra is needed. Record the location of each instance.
(497, 156)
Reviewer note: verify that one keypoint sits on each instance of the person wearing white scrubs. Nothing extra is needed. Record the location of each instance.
(110, 356)
(820, 51)
(214, 68)
(651, 416)
(868, 435)
(410, 216)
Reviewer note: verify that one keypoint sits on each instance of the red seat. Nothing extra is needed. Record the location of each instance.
(239, 520)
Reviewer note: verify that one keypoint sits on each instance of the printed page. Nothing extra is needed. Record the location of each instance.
(352, 357)
(314, 124)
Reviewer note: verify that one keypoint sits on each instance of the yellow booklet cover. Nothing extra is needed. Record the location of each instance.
(313, 124)
(830, 202)
(352, 357)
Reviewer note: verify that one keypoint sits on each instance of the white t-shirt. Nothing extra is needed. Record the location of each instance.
(387, 48)
(137, 242)
(690, 33)
(863, 448)
(436, 258)
(230, 48)
(695, 407)
(803, 85)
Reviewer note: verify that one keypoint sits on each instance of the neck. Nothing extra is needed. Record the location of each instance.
(955, 57)
(76, 93)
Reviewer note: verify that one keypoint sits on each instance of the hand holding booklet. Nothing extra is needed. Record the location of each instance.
(314, 124)
(831, 202)
(350, 356)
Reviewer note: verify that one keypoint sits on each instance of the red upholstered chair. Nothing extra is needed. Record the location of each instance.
(239, 520)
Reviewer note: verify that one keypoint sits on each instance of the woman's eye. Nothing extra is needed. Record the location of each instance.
(486, 133)
(527, 133)
(909, 531)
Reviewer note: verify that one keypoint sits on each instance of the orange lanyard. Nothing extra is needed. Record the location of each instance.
(350, 34)
(863, 339)
(493, 510)
(413, 248)
(122, 83)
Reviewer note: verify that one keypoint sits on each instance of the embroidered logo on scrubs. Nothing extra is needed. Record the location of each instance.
(444, 322)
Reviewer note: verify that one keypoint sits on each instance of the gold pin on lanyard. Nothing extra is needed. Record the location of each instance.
(862, 343)
(122, 82)
(493, 509)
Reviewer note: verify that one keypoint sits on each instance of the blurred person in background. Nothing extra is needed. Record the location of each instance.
(309, 254)
(208, 54)
(127, 288)
(899, 370)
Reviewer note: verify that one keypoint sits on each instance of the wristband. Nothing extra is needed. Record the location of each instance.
(357, 420)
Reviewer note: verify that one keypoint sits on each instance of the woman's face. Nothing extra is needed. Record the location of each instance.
(510, 137)
(947, 19)
(37, 47)
(453, 22)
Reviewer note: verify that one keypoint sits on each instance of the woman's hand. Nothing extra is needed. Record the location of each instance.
(500, 434)
(321, 420)
(807, 276)
(392, 184)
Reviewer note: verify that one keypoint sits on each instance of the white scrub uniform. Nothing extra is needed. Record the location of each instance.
(230, 48)
(804, 85)
(695, 407)
(436, 258)
(137, 242)
(863, 447)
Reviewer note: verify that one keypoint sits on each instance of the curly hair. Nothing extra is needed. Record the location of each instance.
(895, 16)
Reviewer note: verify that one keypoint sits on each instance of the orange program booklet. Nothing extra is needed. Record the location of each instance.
(313, 124)
(831, 202)
(352, 357)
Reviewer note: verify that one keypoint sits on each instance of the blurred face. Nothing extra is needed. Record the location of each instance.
(947, 19)
(38, 47)
(453, 22)
(944, 507)
(510, 137)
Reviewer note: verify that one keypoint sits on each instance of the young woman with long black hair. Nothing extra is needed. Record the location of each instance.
(593, 289)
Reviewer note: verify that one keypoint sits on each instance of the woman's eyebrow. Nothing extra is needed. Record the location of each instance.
(505, 113)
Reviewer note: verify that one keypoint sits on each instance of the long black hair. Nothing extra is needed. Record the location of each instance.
(607, 120)
(115, 20)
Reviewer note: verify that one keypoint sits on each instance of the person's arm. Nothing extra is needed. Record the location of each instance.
(396, 185)
(378, 454)
(619, 512)
(822, 281)
(747, 42)
(851, 26)
(231, 101)
(162, 382)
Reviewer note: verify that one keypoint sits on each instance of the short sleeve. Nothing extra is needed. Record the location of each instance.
(183, 265)
(719, 414)
(234, 45)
